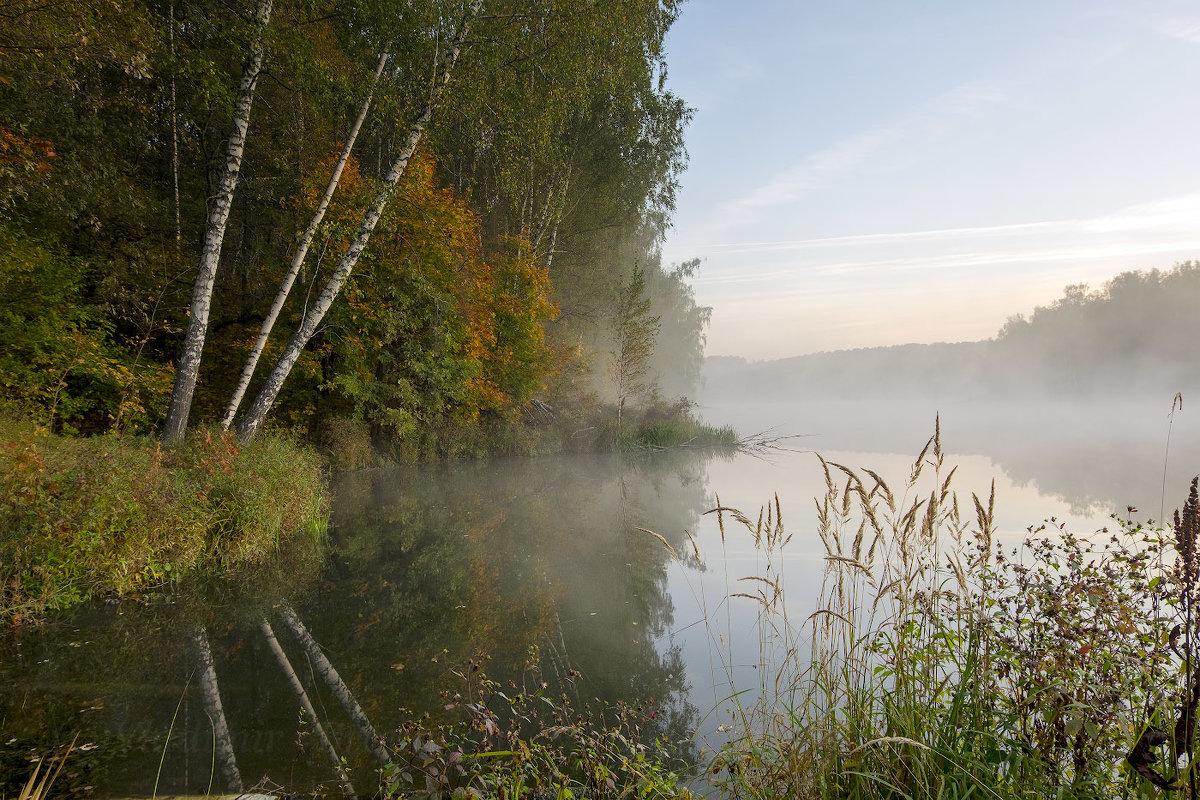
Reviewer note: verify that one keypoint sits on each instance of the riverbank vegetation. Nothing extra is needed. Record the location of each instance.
(398, 230)
(414, 217)
(104, 516)
(944, 662)
(521, 741)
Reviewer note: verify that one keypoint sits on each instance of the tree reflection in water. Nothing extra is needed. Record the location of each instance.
(428, 567)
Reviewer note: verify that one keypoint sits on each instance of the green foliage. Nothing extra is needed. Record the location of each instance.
(57, 358)
(1137, 328)
(557, 152)
(635, 330)
(657, 426)
(518, 741)
(436, 330)
(675, 425)
(679, 348)
(90, 517)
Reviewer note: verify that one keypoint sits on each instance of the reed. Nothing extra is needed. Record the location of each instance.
(941, 662)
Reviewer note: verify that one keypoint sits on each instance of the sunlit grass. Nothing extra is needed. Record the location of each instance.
(87, 517)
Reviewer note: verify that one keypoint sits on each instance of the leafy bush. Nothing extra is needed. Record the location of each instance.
(58, 360)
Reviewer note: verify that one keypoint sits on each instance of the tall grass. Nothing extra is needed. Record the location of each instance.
(84, 517)
(942, 663)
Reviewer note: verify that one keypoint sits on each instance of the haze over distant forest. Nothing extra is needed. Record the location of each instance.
(1136, 334)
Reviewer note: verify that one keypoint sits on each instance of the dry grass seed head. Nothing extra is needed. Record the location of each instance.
(1187, 530)
(852, 562)
(914, 473)
(664, 541)
(695, 547)
(720, 519)
(881, 485)
(946, 483)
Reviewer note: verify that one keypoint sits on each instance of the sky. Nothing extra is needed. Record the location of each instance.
(875, 172)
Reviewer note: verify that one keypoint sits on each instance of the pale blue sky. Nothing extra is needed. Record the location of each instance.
(878, 172)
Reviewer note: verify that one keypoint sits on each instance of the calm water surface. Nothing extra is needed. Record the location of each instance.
(433, 565)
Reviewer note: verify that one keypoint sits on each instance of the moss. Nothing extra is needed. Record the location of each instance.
(88, 517)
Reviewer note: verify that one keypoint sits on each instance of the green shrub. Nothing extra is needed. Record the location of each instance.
(519, 741)
(84, 517)
(347, 444)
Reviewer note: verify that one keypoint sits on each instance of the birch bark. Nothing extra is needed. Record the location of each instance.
(188, 368)
(257, 412)
(298, 258)
(216, 712)
(306, 704)
(342, 692)
(174, 129)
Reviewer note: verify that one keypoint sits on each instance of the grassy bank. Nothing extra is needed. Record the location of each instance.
(90, 517)
(942, 663)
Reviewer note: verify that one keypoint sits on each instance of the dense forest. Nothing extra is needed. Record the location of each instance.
(1137, 332)
(460, 196)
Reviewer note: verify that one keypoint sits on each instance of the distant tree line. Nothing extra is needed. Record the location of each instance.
(1139, 330)
(523, 158)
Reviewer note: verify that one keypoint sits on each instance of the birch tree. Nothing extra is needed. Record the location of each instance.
(188, 368)
(298, 257)
(258, 410)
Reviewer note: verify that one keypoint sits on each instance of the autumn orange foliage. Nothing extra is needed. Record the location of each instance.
(435, 322)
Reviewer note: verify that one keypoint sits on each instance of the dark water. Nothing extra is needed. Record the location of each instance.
(428, 567)
(431, 566)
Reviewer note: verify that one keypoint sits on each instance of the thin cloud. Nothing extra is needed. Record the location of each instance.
(885, 238)
(1184, 30)
(1170, 212)
(1176, 214)
(927, 122)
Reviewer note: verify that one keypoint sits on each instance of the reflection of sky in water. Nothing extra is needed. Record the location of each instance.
(432, 564)
(719, 636)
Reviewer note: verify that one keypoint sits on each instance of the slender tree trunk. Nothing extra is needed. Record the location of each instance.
(550, 246)
(552, 217)
(257, 412)
(174, 129)
(306, 704)
(210, 255)
(330, 675)
(298, 258)
(225, 758)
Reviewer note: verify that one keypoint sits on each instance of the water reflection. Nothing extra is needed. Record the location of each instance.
(431, 566)
(1091, 459)
(428, 568)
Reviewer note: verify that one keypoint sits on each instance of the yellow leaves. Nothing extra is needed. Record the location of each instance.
(26, 151)
(477, 312)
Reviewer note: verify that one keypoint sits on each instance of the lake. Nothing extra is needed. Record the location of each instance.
(547, 559)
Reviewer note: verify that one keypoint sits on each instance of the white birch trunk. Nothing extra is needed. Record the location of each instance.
(174, 130)
(211, 694)
(298, 258)
(552, 217)
(257, 412)
(306, 704)
(330, 675)
(210, 255)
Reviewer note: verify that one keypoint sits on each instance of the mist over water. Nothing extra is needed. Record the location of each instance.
(431, 566)
(1084, 459)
